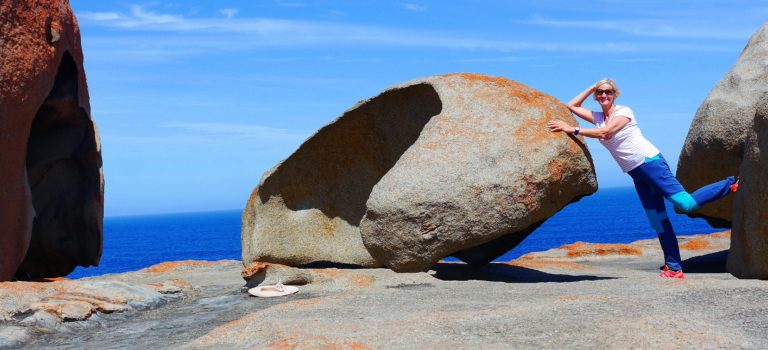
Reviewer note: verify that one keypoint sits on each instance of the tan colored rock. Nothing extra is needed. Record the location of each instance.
(308, 208)
(469, 157)
(715, 142)
(748, 257)
(51, 183)
(259, 273)
(77, 300)
(482, 175)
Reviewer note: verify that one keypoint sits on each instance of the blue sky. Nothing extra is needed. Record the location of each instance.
(195, 100)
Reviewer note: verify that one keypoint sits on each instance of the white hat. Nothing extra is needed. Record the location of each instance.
(276, 290)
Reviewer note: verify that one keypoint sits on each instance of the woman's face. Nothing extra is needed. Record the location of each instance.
(605, 94)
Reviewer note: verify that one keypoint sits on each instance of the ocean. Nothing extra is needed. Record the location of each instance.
(612, 215)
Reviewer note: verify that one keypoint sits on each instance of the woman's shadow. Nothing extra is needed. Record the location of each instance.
(500, 272)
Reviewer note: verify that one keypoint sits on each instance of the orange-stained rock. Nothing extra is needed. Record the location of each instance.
(459, 164)
(51, 183)
(314, 343)
(259, 273)
(601, 249)
(253, 269)
(696, 244)
(178, 265)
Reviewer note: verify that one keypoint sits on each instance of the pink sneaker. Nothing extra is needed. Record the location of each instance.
(667, 273)
(735, 186)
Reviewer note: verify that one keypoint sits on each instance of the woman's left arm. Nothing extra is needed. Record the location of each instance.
(614, 125)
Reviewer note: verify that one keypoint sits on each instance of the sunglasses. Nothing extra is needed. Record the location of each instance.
(607, 92)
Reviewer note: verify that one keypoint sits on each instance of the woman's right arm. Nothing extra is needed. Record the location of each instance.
(575, 105)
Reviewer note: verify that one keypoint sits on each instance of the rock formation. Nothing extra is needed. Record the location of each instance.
(482, 175)
(714, 145)
(748, 257)
(51, 206)
(437, 166)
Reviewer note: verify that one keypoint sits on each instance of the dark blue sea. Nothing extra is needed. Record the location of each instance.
(612, 215)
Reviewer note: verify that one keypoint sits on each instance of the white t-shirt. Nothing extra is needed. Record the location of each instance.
(627, 146)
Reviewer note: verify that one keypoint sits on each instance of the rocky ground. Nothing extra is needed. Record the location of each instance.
(577, 296)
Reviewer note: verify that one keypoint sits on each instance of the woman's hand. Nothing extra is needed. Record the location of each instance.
(575, 104)
(559, 125)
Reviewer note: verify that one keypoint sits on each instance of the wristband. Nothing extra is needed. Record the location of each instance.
(576, 131)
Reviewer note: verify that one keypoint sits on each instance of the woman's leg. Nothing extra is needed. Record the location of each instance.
(713, 191)
(653, 203)
(659, 173)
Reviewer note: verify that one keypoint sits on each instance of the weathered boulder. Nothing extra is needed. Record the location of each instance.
(748, 257)
(437, 165)
(308, 208)
(715, 142)
(51, 183)
(482, 175)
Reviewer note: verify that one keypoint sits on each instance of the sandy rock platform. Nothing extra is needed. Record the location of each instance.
(581, 295)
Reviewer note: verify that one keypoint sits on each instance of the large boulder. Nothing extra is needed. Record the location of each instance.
(748, 257)
(482, 175)
(715, 142)
(449, 164)
(51, 183)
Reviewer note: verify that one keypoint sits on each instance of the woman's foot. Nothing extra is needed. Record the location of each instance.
(667, 273)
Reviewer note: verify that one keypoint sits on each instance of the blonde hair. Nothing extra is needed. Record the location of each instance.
(610, 82)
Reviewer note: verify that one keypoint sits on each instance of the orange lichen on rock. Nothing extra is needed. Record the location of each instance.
(697, 244)
(721, 234)
(362, 281)
(253, 269)
(331, 272)
(314, 343)
(50, 279)
(178, 265)
(579, 249)
(25, 287)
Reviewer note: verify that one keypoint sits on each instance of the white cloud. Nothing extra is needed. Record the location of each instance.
(651, 28)
(236, 34)
(415, 7)
(228, 12)
(99, 16)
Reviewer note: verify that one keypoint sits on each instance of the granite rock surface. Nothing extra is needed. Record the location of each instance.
(749, 243)
(714, 146)
(459, 163)
(579, 296)
(480, 177)
(51, 207)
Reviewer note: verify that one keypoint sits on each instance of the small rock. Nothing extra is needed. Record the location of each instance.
(260, 273)
(13, 336)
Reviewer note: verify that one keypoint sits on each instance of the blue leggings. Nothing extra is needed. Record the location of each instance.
(654, 182)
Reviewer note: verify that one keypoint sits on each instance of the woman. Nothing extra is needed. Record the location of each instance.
(617, 130)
